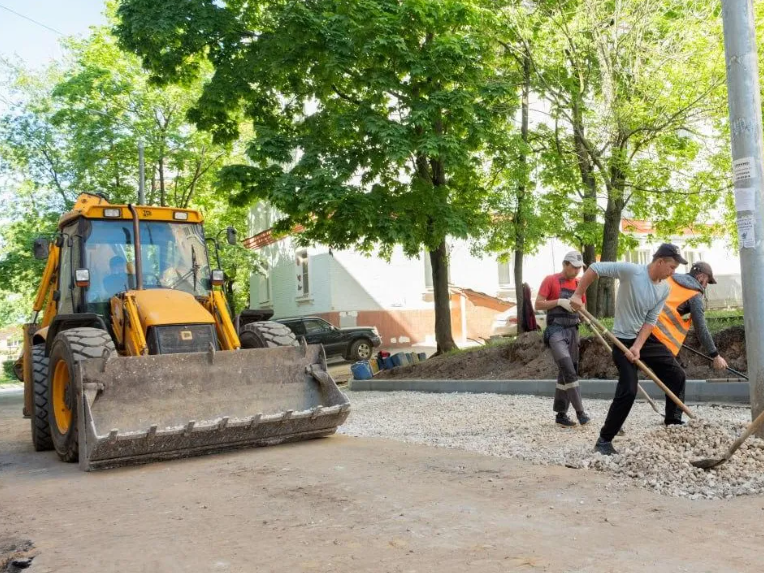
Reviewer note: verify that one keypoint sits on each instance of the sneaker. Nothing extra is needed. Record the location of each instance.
(564, 422)
(605, 448)
(674, 422)
(583, 418)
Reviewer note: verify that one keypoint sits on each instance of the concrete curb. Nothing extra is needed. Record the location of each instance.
(695, 391)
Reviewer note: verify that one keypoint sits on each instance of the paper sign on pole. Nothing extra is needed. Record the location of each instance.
(745, 231)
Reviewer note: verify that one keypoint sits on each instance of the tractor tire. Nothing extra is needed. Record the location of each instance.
(40, 425)
(361, 349)
(69, 347)
(266, 334)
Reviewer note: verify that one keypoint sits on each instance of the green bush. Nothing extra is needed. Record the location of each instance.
(8, 371)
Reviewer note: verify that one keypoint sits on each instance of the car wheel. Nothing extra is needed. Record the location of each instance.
(361, 349)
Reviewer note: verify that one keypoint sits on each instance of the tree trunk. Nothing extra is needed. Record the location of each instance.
(520, 218)
(162, 197)
(586, 169)
(611, 232)
(518, 270)
(443, 336)
(610, 236)
(590, 256)
(229, 296)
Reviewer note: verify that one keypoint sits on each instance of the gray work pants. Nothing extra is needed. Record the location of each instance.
(564, 347)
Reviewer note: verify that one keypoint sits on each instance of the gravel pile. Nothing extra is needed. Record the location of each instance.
(651, 455)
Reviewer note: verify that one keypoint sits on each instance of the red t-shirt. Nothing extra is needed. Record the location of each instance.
(551, 286)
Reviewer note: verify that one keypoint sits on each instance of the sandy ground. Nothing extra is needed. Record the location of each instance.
(346, 504)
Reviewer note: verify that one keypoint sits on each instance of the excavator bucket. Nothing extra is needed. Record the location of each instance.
(134, 410)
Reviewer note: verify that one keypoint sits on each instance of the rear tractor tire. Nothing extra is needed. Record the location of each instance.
(40, 425)
(266, 334)
(70, 347)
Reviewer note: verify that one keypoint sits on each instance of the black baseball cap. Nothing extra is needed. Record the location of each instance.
(705, 268)
(669, 250)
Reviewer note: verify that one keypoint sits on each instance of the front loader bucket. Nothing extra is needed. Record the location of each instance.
(139, 409)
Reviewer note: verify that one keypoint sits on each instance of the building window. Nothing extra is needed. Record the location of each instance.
(692, 257)
(303, 272)
(507, 272)
(639, 257)
(264, 289)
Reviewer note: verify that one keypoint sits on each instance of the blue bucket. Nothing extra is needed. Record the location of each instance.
(361, 371)
(387, 363)
(399, 359)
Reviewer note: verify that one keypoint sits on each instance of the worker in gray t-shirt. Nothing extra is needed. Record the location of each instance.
(641, 294)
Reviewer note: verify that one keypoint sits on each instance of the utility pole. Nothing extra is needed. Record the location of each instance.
(141, 175)
(748, 177)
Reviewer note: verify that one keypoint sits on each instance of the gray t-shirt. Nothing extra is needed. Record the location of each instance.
(639, 300)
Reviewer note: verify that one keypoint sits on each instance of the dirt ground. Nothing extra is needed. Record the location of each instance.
(526, 358)
(345, 504)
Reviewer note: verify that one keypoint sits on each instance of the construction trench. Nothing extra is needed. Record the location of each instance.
(651, 455)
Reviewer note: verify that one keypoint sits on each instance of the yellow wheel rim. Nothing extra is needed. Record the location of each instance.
(62, 399)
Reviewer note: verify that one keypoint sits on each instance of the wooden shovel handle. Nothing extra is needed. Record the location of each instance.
(752, 427)
(641, 365)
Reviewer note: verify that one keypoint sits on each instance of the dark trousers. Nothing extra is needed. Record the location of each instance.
(661, 361)
(564, 346)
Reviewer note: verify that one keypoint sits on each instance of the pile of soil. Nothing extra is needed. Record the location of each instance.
(526, 358)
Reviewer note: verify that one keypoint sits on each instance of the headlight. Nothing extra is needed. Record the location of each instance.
(82, 277)
(218, 277)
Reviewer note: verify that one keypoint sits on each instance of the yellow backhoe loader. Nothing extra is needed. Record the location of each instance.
(136, 357)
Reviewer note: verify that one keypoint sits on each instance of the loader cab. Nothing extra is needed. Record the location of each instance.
(173, 256)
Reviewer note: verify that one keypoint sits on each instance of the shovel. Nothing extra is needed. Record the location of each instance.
(641, 365)
(730, 370)
(642, 391)
(709, 463)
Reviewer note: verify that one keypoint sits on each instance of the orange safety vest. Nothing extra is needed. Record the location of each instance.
(671, 328)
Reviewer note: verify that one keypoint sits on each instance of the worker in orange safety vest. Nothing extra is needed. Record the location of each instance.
(685, 308)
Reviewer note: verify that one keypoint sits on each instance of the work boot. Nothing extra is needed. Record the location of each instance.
(605, 448)
(673, 422)
(564, 422)
(583, 418)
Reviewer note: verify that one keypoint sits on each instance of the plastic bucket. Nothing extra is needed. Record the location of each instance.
(361, 370)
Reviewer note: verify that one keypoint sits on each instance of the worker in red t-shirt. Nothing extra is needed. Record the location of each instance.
(561, 336)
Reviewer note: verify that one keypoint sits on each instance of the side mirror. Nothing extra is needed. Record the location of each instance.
(40, 248)
(231, 235)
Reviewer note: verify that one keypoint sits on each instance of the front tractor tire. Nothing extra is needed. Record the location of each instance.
(266, 334)
(70, 347)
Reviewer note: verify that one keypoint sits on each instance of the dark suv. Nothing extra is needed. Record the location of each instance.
(352, 343)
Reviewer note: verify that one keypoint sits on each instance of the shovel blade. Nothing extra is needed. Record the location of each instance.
(708, 463)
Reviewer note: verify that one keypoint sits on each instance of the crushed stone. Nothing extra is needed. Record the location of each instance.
(650, 455)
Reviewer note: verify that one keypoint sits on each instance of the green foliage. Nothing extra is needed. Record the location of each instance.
(7, 376)
(643, 81)
(76, 127)
(370, 118)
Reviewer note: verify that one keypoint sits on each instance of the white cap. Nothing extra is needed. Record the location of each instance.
(575, 259)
